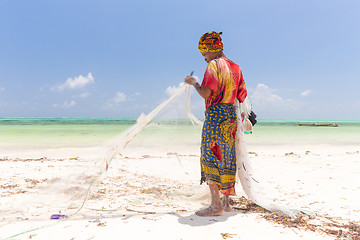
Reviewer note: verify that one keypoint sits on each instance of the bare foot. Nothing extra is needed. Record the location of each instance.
(226, 203)
(210, 211)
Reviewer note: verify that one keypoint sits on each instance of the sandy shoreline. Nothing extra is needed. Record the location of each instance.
(156, 195)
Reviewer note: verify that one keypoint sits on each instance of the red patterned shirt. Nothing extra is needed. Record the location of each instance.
(226, 81)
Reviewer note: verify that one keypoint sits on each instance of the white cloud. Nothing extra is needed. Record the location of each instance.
(176, 108)
(77, 82)
(120, 97)
(66, 104)
(306, 93)
(266, 101)
(264, 94)
(69, 104)
(172, 89)
(84, 95)
(2, 89)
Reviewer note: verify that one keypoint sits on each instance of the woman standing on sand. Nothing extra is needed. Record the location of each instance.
(223, 83)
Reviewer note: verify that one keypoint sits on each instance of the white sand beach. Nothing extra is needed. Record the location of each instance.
(154, 195)
(103, 105)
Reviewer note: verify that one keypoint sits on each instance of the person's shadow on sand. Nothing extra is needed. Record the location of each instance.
(194, 220)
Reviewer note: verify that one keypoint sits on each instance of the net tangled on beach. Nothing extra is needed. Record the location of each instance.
(103, 181)
(68, 180)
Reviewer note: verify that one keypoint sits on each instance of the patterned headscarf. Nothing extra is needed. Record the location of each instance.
(211, 42)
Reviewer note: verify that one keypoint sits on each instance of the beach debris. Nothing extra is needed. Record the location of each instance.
(151, 218)
(335, 227)
(290, 153)
(10, 186)
(246, 205)
(73, 205)
(58, 216)
(182, 210)
(31, 159)
(227, 235)
(253, 153)
(96, 220)
(6, 158)
(33, 182)
(157, 191)
(144, 212)
(352, 152)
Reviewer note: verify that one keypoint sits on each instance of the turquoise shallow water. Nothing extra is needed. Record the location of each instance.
(288, 132)
(58, 132)
(67, 132)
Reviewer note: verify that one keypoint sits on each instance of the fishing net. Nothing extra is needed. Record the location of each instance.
(69, 180)
(117, 175)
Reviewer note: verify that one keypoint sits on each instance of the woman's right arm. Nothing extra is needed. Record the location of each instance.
(204, 91)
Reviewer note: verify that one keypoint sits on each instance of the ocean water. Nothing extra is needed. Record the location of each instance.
(289, 132)
(35, 133)
(58, 132)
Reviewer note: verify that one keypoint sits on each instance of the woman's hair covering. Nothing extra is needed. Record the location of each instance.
(211, 42)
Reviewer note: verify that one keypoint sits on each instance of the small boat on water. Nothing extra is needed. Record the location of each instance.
(319, 124)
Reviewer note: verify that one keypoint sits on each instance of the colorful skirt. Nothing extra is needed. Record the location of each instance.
(218, 158)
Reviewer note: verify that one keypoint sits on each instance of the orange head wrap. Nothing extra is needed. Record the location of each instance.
(211, 42)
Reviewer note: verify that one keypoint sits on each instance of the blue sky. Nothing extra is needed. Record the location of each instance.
(300, 59)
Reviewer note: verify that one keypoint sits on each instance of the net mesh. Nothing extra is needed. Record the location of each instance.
(71, 181)
(117, 174)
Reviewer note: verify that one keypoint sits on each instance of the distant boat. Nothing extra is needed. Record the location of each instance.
(319, 124)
